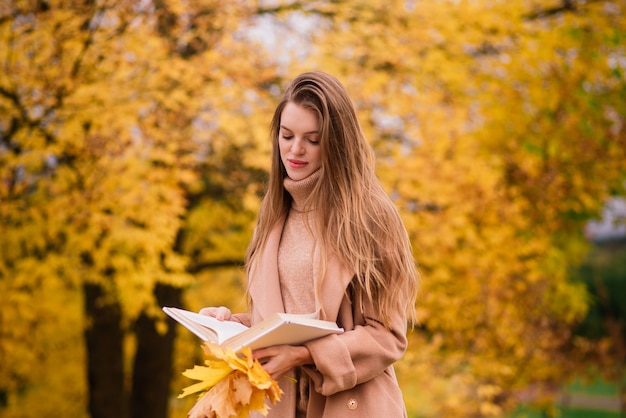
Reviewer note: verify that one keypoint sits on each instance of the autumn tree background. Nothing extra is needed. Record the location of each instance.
(133, 154)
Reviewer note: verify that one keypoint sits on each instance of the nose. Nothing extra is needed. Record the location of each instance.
(298, 146)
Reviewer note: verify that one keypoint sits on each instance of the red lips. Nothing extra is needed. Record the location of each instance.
(297, 163)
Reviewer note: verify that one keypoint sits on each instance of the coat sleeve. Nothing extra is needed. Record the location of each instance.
(361, 353)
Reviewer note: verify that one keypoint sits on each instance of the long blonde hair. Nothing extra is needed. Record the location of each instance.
(353, 218)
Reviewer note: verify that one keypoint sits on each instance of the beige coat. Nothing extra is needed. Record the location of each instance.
(353, 375)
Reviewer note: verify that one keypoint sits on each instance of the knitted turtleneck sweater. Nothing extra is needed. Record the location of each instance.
(295, 252)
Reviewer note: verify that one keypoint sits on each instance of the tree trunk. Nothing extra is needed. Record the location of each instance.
(152, 369)
(105, 366)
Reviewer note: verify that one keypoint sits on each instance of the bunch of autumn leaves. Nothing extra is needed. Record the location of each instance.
(231, 385)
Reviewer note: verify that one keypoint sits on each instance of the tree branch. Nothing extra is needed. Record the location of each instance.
(211, 265)
(568, 6)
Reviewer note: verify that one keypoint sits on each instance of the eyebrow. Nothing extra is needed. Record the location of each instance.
(306, 133)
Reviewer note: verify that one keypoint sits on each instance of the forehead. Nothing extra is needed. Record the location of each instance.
(297, 118)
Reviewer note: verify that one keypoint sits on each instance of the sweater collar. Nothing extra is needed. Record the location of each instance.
(300, 190)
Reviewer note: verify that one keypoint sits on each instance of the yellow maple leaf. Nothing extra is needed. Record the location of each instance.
(218, 400)
(243, 389)
(231, 385)
(209, 376)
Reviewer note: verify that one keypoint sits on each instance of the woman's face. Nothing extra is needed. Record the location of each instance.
(298, 141)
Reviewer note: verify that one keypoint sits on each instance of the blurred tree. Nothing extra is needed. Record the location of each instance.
(131, 144)
(604, 271)
(499, 129)
(116, 123)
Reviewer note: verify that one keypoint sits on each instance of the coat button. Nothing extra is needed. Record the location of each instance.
(352, 404)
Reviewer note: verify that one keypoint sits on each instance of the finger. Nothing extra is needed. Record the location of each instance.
(263, 353)
(222, 313)
(207, 311)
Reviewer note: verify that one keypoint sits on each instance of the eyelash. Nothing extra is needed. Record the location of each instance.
(287, 138)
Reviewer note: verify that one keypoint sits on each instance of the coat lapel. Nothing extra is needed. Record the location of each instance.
(333, 286)
(264, 283)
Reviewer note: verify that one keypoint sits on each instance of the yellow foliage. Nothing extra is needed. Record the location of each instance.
(482, 125)
(133, 150)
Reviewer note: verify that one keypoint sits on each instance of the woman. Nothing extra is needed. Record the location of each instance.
(329, 239)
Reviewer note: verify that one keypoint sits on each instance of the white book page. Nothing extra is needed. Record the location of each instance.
(291, 329)
(224, 329)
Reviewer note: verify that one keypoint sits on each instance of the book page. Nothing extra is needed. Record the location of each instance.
(290, 329)
(223, 330)
(279, 329)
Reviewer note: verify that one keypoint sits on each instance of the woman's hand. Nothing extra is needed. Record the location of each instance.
(220, 313)
(279, 359)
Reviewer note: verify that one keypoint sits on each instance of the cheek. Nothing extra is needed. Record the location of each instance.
(282, 150)
(318, 158)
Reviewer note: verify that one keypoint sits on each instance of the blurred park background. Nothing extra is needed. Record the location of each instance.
(134, 150)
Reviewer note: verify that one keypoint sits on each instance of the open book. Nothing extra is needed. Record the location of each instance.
(278, 329)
